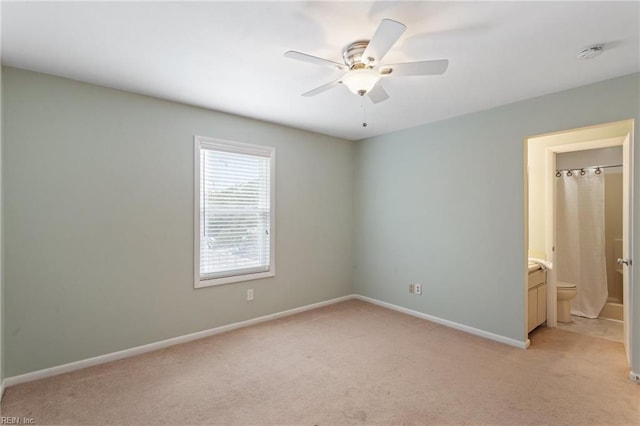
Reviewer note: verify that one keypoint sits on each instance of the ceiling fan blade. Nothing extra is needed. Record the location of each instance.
(388, 32)
(416, 68)
(322, 88)
(313, 59)
(378, 94)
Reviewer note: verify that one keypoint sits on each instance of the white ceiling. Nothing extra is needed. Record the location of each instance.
(228, 56)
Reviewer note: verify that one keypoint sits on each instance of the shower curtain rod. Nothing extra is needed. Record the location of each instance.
(582, 172)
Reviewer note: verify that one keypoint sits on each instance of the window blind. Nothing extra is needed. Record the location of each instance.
(235, 213)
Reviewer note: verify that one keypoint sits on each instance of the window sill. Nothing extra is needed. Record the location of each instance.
(232, 279)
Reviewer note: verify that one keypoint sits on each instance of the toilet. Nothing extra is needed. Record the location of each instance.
(566, 292)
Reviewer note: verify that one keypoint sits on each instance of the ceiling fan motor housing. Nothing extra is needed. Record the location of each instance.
(352, 55)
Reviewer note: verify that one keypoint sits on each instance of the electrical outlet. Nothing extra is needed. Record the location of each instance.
(250, 294)
(411, 289)
(418, 288)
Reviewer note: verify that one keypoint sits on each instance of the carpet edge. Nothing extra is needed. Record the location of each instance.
(138, 350)
(451, 324)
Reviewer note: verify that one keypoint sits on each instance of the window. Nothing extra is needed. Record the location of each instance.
(234, 208)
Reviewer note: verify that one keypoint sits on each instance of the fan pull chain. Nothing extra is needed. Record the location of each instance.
(364, 112)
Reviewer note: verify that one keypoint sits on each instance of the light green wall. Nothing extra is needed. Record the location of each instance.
(443, 205)
(99, 220)
(98, 188)
(1, 250)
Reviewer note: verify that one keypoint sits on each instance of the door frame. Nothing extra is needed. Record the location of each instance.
(600, 136)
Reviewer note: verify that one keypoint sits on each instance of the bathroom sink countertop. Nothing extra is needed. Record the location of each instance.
(534, 266)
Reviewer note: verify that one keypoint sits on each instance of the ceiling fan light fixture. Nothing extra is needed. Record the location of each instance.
(361, 81)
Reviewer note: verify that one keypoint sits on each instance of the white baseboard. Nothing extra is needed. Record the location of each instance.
(457, 326)
(634, 377)
(114, 356)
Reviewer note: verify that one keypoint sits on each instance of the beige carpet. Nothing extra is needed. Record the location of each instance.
(350, 363)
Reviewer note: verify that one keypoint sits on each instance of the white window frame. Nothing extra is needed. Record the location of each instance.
(203, 142)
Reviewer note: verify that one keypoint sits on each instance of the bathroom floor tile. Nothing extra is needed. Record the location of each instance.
(598, 327)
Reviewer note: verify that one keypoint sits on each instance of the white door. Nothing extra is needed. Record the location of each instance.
(550, 236)
(626, 241)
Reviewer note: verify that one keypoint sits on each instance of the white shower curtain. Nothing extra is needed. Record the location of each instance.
(580, 243)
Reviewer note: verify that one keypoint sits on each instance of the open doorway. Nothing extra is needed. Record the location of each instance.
(572, 165)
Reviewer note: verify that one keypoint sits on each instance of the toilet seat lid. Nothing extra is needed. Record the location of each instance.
(564, 284)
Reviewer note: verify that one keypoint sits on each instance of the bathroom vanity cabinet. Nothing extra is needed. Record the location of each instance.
(537, 308)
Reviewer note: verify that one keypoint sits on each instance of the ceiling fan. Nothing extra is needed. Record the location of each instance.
(362, 64)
